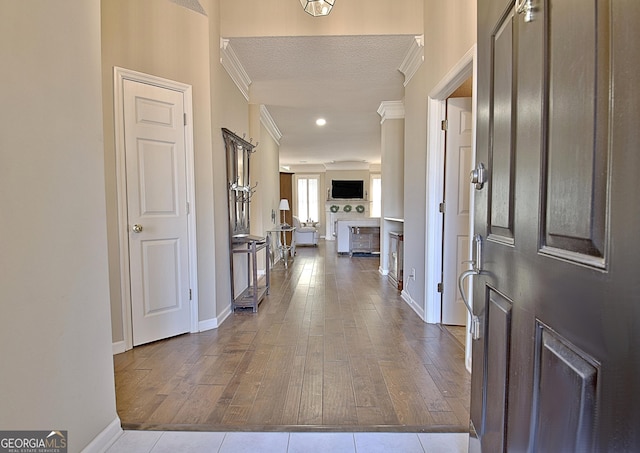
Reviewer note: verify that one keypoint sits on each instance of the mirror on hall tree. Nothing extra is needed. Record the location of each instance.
(238, 152)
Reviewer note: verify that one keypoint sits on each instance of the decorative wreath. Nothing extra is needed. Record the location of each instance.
(360, 208)
(334, 208)
(347, 208)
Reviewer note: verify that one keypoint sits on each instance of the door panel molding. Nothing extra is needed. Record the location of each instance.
(120, 75)
(502, 120)
(496, 369)
(577, 170)
(565, 394)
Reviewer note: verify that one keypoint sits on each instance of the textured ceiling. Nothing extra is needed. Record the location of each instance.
(340, 78)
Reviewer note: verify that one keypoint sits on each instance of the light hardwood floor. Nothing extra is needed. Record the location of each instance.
(332, 348)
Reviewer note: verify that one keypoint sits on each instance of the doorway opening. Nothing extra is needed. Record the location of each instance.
(437, 114)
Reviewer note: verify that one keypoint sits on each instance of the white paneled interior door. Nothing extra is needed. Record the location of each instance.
(458, 161)
(157, 210)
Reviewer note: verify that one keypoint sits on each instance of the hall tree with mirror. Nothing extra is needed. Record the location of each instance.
(247, 289)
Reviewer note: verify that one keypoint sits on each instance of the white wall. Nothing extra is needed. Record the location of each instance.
(55, 335)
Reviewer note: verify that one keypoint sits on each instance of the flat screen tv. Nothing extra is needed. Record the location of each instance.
(347, 189)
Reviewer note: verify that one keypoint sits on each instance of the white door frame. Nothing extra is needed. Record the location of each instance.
(119, 75)
(437, 108)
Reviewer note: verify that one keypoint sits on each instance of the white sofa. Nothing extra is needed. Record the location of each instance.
(305, 235)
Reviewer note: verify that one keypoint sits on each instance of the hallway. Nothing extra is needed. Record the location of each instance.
(332, 348)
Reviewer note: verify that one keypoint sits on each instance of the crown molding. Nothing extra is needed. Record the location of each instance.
(267, 121)
(413, 59)
(391, 110)
(234, 68)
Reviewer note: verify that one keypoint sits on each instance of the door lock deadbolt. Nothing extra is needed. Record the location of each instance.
(478, 176)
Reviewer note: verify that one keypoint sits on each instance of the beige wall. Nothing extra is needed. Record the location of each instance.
(392, 137)
(169, 41)
(228, 109)
(450, 31)
(348, 17)
(166, 40)
(392, 160)
(264, 173)
(55, 335)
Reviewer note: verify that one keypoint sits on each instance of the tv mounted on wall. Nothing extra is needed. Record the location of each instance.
(347, 189)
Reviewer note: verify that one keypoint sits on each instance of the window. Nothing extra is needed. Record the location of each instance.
(308, 190)
(376, 195)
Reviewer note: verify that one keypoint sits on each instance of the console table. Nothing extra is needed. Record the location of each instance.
(281, 245)
(254, 293)
(363, 239)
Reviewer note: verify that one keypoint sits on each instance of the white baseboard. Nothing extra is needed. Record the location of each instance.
(118, 347)
(383, 271)
(412, 303)
(214, 323)
(105, 439)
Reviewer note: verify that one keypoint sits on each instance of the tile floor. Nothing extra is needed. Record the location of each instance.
(241, 442)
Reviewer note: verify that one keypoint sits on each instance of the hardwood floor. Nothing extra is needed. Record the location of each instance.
(332, 348)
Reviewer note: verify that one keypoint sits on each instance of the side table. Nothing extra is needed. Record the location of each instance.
(280, 243)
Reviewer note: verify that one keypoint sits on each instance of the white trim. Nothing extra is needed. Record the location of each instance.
(460, 72)
(119, 75)
(118, 347)
(234, 68)
(436, 112)
(267, 121)
(412, 303)
(214, 323)
(463, 69)
(106, 438)
(413, 59)
(383, 271)
(391, 110)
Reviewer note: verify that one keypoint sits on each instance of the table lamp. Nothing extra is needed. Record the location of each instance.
(284, 206)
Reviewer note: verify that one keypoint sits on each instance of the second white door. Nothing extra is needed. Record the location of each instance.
(155, 155)
(458, 161)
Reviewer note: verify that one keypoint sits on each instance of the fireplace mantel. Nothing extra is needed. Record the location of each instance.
(340, 214)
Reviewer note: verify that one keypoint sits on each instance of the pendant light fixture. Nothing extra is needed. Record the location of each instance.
(317, 7)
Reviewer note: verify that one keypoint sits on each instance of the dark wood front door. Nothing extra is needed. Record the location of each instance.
(557, 364)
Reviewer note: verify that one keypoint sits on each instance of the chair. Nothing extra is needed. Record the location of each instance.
(305, 235)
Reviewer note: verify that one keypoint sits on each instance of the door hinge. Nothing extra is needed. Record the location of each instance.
(188, 208)
(441, 207)
(440, 288)
(185, 119)
(444, 125)
(190, 294)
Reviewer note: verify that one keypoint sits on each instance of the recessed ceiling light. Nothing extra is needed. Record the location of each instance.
(321, 121)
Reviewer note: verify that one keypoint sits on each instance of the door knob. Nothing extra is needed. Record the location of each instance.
(137, 228)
